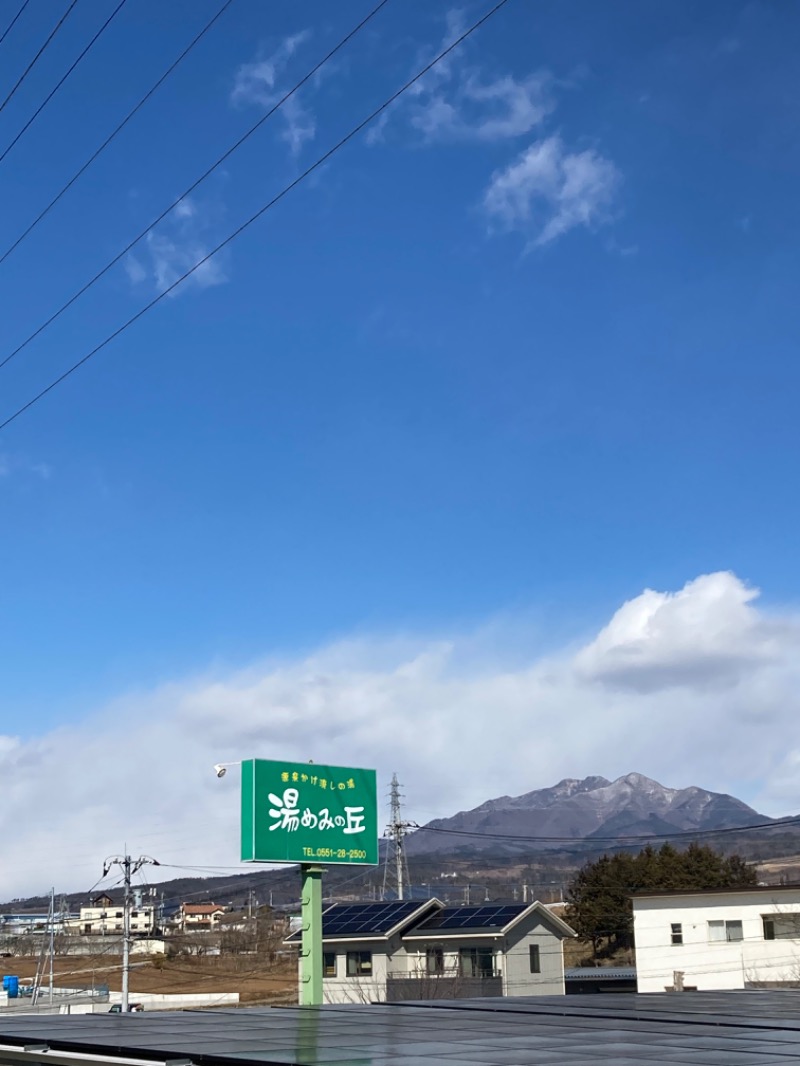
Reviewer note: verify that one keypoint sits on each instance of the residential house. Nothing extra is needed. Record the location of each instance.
(104, 916)
(424, 950)
(199, 917)
(719, 939)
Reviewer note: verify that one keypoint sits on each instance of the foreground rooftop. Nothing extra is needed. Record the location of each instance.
(751, 1028)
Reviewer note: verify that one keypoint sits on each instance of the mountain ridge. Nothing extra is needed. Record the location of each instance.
(582, 810)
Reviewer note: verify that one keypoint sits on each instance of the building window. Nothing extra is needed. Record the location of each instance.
(359, 963)
(118, 914)
(719, 931)
(781, 926)
(535, 957)
(476, 962)
(329, 964)
(434, 961)
(676, 932)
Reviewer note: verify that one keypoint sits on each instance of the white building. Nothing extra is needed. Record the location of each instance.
(104, 917)
(721, 939)
(411, 950)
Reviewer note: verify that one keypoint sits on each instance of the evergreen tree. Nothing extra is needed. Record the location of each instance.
(599, 895)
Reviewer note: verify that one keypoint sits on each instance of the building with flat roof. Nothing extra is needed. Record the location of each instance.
(718, 939)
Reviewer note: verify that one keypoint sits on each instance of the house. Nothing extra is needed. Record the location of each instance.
(103, 917)
(199, 917)
(408, 949)
(720, 939)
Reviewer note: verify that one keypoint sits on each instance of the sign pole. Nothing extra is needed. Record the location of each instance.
(311, 948)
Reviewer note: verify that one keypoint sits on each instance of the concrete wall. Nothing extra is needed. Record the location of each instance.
(153, 1001)
(710, 964)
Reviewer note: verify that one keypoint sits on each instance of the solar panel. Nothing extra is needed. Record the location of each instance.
(488, 916)
(753, 1028)
(363, 919)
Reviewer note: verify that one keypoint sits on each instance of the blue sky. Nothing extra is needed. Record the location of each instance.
(523, 351)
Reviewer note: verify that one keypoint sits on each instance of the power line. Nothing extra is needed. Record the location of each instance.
(118, 129)
(32, 63)
(621, 839)
(120, 255)
(12, 23)
(64, 77)
(253, 218)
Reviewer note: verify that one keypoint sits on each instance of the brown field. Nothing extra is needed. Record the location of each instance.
(255, 979)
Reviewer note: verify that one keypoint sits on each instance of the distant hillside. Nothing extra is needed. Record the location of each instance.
(581, 812)
(581, 818)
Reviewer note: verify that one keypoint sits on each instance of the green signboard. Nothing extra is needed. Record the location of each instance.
(302, 812)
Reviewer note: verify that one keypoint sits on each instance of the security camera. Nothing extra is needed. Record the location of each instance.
(220, 769)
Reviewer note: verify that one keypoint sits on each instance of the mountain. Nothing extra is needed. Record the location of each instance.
(581, 812)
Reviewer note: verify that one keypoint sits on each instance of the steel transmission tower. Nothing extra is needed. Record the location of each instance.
(395, 864)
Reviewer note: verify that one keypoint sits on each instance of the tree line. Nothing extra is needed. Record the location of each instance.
(599, 896)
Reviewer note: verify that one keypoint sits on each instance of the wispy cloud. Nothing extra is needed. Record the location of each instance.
(15, 464)
(456, 101)
(548, 191)
(169, 252)
(259, 83)
(473, 108)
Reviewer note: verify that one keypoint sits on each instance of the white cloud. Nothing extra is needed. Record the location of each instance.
(476, 109)
(16, 464)
(258, 83)
(548, 191)
(174, 248)
(699, 686)
(458, 102)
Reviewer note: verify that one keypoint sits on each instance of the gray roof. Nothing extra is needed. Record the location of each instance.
(752, 1028)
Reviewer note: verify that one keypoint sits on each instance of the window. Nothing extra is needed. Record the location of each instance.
(781, 926)
(118, 914)
(719, 930)
(476, 962)
(434, 960)
(134, 914)
(536, 962)
(359, 963)
(676, 932)
(329, 964)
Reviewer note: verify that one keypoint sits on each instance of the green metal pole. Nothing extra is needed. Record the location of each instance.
(311, 948)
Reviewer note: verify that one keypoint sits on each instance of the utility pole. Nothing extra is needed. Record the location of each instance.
(129, 867)
(52, 924)
(395, 849)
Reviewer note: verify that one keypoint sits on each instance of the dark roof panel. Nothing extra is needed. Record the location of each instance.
(363, 919)
(753, 1028)
(486, 918)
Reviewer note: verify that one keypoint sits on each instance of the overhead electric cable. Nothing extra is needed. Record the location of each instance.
(12, 23)
(253, 218)
(778, 823)
(32, 63)
(78, 173)
(120, 255)
(61, 81)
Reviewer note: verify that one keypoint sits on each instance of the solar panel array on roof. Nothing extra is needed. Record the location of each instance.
(364, 919)
(489, 916)
(691, 1028)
